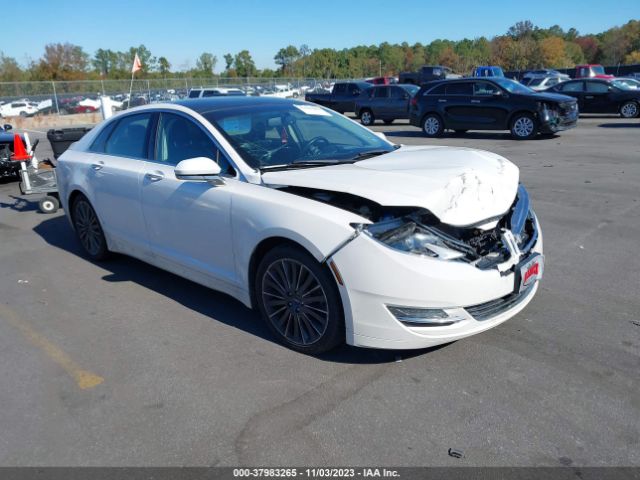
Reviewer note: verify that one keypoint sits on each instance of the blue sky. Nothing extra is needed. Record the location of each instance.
(181, 30)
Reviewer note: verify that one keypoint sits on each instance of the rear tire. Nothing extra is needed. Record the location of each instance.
(367, 118)
(460, 132)
(432, 125)
(629, 110)
(388, 122)
(88, 229)
(49, 204)
(299, 300)
(524, 126)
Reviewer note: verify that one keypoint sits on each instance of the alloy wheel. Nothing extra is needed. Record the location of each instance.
(88, 227)
(629, 110)
(431, 126)
(523, 127)
(295, 302)
(366, 118)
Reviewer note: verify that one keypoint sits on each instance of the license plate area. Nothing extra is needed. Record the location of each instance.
(528, 271)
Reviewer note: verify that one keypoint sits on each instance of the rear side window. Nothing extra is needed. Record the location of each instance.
(439, 90)
(129, 138)
(194, 93)
(572, 87)
(98, 144)
(381, 92)
(459, 89)
(340, 88)
(210, 93)
(597, 87)
(397, 92)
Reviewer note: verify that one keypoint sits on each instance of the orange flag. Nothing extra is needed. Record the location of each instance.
(137, 65)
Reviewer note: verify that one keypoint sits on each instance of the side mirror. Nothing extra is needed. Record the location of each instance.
(199, 169)
(497, 93)
(7, 127)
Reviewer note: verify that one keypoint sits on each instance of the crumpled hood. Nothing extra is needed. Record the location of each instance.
(554, 97)
(460, 186)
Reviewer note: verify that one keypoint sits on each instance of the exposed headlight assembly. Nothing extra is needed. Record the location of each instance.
(407, 236)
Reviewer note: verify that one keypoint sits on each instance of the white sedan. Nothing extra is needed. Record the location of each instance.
(332, 232)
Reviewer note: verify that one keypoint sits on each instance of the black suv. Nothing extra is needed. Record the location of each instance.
(490, 104)
(597, 95)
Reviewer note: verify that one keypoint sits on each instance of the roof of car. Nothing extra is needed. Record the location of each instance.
(210, 104)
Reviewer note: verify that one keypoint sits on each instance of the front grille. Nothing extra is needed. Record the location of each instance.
(493, 308)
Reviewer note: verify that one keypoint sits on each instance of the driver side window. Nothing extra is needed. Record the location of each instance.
(179, 138)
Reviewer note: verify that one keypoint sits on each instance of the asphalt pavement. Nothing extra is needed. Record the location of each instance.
(122, 364)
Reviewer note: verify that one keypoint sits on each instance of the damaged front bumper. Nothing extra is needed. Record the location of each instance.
(557, 118)
(400, 300)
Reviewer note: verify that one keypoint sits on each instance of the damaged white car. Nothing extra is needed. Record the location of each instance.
(332, 232)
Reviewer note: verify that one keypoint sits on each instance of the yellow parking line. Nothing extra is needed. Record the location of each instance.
(84, 379)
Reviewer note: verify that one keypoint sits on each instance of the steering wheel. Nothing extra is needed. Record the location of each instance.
(318, 144)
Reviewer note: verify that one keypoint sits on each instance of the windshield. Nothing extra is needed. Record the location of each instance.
(512, 86)
(626, 84)
(295, 133)
(599, 70)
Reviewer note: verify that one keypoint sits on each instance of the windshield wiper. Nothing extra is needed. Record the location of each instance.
(294, 165)
(372, 153)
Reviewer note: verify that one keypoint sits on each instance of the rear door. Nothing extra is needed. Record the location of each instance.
(338, 95)
(116, 161)
(380, 102)
(575, 89)
(459, 114)
(398, 103)
(188, 223)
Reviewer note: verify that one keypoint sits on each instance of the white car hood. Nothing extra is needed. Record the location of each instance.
(460, 186)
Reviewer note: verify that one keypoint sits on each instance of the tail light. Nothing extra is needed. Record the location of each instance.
(413, 102)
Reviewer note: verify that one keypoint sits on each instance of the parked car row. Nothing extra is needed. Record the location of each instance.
(486, 103)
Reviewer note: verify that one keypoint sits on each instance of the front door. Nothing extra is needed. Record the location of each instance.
(596, 98)
(188, 222)
(488, 106)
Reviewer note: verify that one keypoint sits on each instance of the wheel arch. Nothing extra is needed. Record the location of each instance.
(518, 112)
(266, 245)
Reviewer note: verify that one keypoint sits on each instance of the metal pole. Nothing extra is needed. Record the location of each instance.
(55, 96)
(149, 90)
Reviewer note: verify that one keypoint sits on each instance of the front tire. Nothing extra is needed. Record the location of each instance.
(629, 110)
(88, 229)
(432, 125)
(366, 118)
(299, 300)
(524, 126)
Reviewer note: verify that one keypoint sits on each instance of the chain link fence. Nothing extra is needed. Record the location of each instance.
(59, 97)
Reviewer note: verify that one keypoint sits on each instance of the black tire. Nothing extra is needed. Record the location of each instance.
(285, 279)
(389, 121)
(48, 204)
(23, 114)
(630, 109)
(366, 117)
(460, 132)
(88, 229)
(432, 125)
(524, 126)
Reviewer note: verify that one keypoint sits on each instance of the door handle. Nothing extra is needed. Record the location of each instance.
(97, 166)
(154, 177)
(588, 96)
(441, 100)
(475, 101)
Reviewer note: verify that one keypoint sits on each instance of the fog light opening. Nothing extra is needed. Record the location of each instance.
(422, 317)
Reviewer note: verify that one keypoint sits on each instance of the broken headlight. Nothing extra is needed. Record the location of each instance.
(407, 236)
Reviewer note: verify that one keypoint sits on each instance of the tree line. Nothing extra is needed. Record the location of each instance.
(523, 46)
